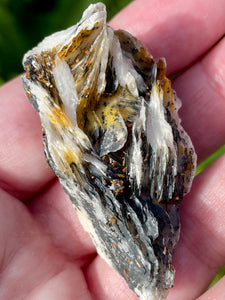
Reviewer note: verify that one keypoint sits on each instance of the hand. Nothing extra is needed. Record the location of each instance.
(45, 253)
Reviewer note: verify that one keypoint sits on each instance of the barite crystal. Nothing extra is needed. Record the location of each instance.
(113, 137)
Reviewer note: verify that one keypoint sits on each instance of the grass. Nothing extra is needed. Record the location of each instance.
(210, 160)
(218, 277)
(201, 167)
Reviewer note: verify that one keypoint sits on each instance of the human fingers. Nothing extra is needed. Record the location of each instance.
(202, 91)
(201, 87)
(180, 31)
(54, 212)
(200, 251)
(23, 169)
(31, 266)
(107, 283)
(23, 149)
(217, 292)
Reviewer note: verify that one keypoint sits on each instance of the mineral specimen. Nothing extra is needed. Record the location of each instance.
(113, 137)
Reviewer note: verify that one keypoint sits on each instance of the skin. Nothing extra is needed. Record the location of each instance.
(45, 253)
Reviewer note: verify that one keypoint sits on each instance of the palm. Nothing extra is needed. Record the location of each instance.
(45, 254)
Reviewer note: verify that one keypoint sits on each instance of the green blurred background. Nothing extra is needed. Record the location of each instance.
(24, 23)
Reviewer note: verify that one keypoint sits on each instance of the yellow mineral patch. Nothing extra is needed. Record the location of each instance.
(102, 112)
(110, 108)
(126, 274)
(157, 88)
(80, 39)
(109, 117)
(70, 48)
(114, 246)
(167, 94)
(28, 93)
(93, 122)
(71, 156)
(181, 148)
(113, 220)
(58, 117)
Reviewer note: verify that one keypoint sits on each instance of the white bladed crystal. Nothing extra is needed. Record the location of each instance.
(113, 137)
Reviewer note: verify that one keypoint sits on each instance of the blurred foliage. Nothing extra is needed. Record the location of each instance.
(24, 23)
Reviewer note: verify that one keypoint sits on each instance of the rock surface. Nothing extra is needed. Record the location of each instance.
(113, 137)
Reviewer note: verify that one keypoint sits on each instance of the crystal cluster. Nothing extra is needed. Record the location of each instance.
(113, 137)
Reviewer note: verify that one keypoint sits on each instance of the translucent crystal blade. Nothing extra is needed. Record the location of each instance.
(113, 137)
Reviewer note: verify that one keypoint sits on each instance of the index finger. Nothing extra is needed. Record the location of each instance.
(180, 31)
(22, 164)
